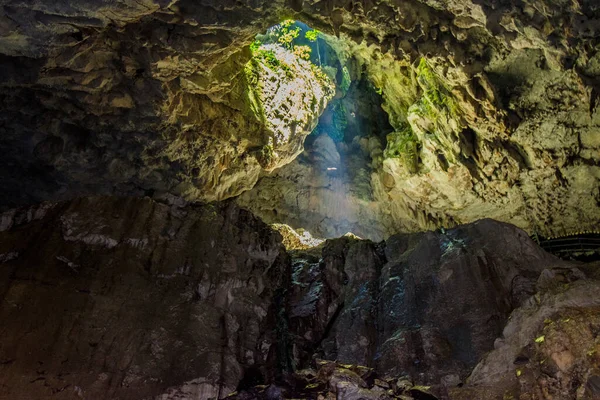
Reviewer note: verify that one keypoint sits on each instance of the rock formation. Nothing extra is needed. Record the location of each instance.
(147, 144)
(106, 298)
(110, 298)
(491, 106)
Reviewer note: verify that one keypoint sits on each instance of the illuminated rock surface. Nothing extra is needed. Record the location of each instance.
(150, 97)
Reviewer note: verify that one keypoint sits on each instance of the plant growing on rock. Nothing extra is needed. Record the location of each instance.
(403, 144)
(313, 36)
(302, 52)
(284, 34)
(428, 118)
(435, 99)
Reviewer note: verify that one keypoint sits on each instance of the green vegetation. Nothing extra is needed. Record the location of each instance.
(302, 52)
(255, 46)
(403, 145)
(322, 77)
(268, 58)
(346, 80)
(540, 339)
(278, 56)
(312, 35)
(268, 54)
(285, 34)
(436, 98)
(433, 103)
(251, 73)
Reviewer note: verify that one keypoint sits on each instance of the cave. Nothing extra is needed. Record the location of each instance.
(300, 199)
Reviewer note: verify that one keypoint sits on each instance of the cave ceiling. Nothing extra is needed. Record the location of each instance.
(490, 110)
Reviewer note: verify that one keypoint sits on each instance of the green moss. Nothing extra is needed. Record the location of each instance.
(265, 156)
(403, 145)
(436, 99)
(269, 58)
(255, 46)
(252, 89)
(346, 80)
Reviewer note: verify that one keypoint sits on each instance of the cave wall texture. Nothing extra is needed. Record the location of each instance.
(124, 298)
(492, 107)
(157, 150)
(130, 299)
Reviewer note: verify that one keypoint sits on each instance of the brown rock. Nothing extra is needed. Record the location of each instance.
(126, 298)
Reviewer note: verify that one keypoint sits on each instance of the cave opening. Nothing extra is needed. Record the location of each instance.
(143, 141)
(355, 108)
(343, 146)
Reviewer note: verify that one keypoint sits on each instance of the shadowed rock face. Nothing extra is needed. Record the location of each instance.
(127, 298)
(550, 345)
(427, 305)
(149, 98)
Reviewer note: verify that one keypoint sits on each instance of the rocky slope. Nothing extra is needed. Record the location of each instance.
(127, 298)
(493, 105)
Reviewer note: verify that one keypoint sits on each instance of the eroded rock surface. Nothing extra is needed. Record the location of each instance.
(128, 298)
(549, 347)
(144, 98)
(493, 104)
(428, 306)
(106, 298)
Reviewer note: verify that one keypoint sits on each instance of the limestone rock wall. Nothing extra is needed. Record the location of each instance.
(127, 298)
(109, 298)
(149, 98)
(141, 98)
(416, 304)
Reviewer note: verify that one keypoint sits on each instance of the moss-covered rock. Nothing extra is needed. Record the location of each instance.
(287, 93)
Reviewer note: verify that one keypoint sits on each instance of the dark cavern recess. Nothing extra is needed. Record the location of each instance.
(325, 199)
